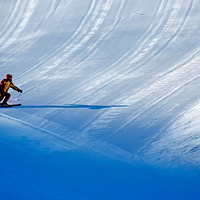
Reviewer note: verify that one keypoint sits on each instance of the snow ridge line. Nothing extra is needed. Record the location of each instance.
(164, 129)
(77, 139)
(178, 30)
(106, 73)
(183, 21)
(92, 49)
(97, 20)
(176, 118)
(162, 20)
(53, 56)
(109, 76)
(164, 76)
(89, 30)
(130, 62)
(22, 24)
(108, 80)
(153, 102)
(21, 48)
(161, 99)
(34, 127)
(145, 39)
(54, 6)
(114, 25)
(9, 25)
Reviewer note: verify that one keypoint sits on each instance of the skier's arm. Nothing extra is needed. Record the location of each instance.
(15, 88)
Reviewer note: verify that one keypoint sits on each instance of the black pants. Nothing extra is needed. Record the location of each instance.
(4, 95)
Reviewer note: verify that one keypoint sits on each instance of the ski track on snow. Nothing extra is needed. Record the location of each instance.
(21, 25)
(115, 77)
(30, 40)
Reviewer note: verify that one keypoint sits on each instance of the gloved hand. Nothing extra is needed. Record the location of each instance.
(19, 90)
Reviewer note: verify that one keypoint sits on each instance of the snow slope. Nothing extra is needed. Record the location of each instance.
(110, 102)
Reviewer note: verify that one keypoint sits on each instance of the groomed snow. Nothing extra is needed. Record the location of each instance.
(111, 101)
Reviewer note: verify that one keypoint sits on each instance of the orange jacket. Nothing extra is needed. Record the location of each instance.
(6, 84)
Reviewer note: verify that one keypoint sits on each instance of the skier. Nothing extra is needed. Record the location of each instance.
(4, 86)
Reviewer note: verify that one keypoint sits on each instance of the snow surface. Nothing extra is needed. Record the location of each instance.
(111, 101)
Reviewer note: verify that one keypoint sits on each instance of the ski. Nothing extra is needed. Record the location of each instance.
(15, 104)
(9, 105)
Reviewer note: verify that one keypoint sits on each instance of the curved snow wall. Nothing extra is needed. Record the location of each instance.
(119, 76)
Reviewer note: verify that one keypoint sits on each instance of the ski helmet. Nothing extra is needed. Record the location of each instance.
(9, 76)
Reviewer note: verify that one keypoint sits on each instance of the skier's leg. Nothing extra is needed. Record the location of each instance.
(1, 97)
(7, 97)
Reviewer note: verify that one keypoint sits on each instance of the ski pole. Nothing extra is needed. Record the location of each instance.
(19, 96)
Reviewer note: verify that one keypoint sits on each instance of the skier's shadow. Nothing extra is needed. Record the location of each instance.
(95, 107)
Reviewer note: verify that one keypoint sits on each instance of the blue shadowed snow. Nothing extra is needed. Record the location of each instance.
(36, 167)
(110, 108)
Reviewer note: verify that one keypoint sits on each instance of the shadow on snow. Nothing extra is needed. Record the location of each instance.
(73, 106)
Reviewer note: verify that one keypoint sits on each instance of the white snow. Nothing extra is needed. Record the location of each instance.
(111, 99)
